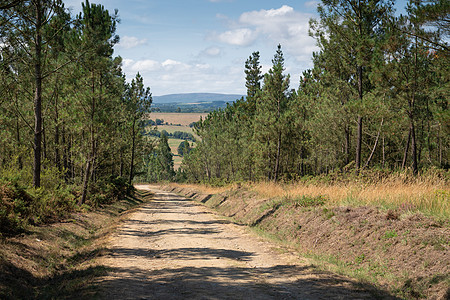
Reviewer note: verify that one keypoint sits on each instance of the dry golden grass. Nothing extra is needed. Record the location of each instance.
(206, 189)
(429, 198)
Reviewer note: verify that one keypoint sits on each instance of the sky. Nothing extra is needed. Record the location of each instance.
(200, 46)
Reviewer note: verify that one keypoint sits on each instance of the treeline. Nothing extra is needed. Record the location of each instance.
(158, 165)
(68, 119)
(200, 107)
(377, 97)
(175, 135)
(150, 122)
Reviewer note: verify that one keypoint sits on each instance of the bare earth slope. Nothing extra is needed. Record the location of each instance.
(174, 248)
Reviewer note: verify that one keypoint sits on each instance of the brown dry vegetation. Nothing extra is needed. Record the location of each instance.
(203, 189)
(427, 197)
(55, 261)
(399, 249)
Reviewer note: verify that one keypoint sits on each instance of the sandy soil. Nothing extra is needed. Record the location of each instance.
(174, 248)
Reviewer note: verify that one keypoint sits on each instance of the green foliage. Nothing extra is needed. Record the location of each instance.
(253, 80)
(181, 135)
(375, 102)
(158, 165)
(13, 208)
(110, 190)
(70, 125)
(184, 148)
(20, 206)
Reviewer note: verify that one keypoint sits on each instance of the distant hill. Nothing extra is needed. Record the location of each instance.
(195, 98)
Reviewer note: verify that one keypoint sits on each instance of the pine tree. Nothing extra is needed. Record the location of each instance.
(355, 23)
(24, 27)
(269, 122)
(184, 148)
(138, 101)
(165, 159)
(253, 80)
(96, 29)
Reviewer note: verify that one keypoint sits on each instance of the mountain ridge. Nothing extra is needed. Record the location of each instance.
(196, 97)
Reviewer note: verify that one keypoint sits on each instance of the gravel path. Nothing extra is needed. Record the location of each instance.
(174, 248)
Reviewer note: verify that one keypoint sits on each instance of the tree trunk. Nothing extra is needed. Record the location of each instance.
(57, 144)
(360, 123)
(44, 140)
(439, 146)
(374, 146)
(91, 157)
(269, 162)
(277, 160)
(347, 145)
(405, 154)
(19, 159)
(411, 113)
(71, 159)
(133, 142)
(37, 98)
(85, 182)
(121, 164)
(133, 145)
(65, 153)
(414, 147)
(358, 145)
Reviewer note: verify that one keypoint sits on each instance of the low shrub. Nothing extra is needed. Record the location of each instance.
(20, 206)
(110, 190)
(14, 208)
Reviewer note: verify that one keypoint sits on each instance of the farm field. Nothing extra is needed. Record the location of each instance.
(184, 119)
(177, 118)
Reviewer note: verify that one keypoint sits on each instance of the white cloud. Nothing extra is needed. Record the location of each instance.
(238, 37)
(211, 52)
(312, 4)
(283, 25)
(174, 66)
(172, 76)
(129, 42)
(139, 66)
(202, 66)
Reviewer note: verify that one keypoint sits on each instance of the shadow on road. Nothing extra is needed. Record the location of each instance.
(183, 253)
(233, 283)
(180, 274)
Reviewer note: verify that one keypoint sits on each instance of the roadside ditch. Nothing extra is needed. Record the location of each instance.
(402, 252)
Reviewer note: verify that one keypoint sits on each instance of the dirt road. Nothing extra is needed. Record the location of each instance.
(174, 248)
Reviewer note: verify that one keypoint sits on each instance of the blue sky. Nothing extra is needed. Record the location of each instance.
(188, 46)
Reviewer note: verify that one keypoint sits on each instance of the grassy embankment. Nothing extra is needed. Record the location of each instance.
(391, 230)
(428, 194)
(53, 258)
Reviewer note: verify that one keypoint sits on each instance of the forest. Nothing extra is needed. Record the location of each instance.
(375, 100)
(72, 126)
(70, 122)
